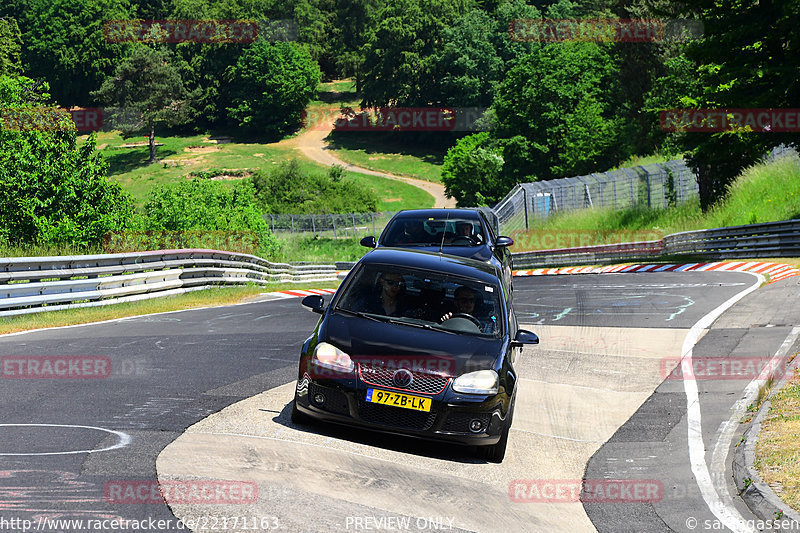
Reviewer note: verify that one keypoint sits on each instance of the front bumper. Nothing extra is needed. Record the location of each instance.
(449, 418)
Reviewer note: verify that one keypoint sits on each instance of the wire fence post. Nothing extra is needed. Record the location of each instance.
(353, 216)
(313, 226)
(292, 217)
(333, 220)
(372, 216)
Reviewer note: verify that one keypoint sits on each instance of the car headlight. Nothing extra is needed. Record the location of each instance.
(480, 382)
(329, 356)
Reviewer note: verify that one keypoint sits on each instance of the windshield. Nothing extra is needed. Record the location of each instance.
(423, 299)
(431, 231)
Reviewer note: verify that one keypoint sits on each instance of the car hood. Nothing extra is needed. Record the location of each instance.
(450, 353)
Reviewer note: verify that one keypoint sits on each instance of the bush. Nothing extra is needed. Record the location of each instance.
(199, 206)
(54, 192)
(290, 190)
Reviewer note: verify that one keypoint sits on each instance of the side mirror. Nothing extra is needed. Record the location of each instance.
(369, 242)
(524, 336)
(504, 241)
(315, 302)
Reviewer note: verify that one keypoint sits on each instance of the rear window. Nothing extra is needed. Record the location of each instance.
(412, 231)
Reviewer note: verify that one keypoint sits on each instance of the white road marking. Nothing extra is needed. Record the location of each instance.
(124, 439)
(726, 513)
(727, 429)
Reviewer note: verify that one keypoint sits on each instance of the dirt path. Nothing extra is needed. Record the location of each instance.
(312, 144)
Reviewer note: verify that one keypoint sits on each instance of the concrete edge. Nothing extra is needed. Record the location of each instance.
(756, 494)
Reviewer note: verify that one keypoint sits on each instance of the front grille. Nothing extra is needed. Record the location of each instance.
(459, 422)
(335, 401)
(422, 382)
(385, 415)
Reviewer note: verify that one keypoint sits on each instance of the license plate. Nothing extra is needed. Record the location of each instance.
(399, 400)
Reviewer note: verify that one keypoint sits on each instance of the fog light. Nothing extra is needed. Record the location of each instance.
(475, 425)
(319, 398)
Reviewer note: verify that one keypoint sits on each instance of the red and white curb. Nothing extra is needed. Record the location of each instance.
(297, 293)
(775, 271)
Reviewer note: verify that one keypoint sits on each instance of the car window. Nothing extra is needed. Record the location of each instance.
(424, 299)
(419, 231)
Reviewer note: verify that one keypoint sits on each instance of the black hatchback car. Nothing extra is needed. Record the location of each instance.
(469, 233)
(415, 343)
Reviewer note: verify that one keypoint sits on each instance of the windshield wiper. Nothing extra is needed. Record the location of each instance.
(360, 314)
(404, 323)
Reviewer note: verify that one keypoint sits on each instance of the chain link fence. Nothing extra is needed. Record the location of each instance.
(652, 186)
(330, 225)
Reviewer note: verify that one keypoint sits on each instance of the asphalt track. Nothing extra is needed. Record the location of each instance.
(587, 396)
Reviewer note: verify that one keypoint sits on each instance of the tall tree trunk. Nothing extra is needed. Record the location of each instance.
(152, 143)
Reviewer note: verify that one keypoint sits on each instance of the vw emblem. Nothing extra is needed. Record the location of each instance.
(402, 378)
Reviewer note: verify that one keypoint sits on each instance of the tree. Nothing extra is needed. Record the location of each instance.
(559, 99)
(147, 90)
(10, 45)
(55, 191)
(274, 82)
(400, 63)
(65, 44)
(748, 58)
(472, 171)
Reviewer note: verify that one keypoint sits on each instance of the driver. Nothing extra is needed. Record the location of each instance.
(463, 229)
(464, 300)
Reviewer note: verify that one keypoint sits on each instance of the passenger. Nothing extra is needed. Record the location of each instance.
(414, 233)
(390, 300)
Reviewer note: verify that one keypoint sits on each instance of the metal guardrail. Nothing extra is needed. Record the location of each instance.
(770, 239)
(35, 284)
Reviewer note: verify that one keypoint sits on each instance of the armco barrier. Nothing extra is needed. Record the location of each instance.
(35, 284)
(771, 239)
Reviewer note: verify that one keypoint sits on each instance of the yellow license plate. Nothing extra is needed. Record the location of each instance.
(399, 400)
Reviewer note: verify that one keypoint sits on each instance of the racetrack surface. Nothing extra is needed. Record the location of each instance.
(603, 339)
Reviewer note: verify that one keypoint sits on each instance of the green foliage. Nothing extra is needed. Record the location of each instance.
(65, 44)
(471, 171)
(559, 99)
(289, 190)
(148, 91)
(10, 45)
(274, 83)
(207, 206)
(746, 59)
(54, 191)
(400, 65)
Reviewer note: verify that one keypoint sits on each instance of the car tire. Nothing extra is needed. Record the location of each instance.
(497, 452)
(299, 417)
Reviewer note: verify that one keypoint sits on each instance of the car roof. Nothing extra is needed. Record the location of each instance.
(438, 213)
(434, 261)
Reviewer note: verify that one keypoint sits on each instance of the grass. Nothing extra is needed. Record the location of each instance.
(205, 298)
(777, 456)
(306, 247)
(642, 160)
(763, 193)
(386, 153)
